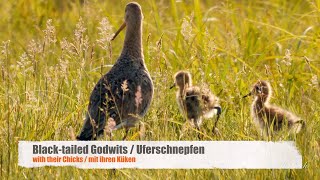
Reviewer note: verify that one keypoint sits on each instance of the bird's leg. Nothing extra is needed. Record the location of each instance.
(261, 132)
(125, 136)
(184, 128)
(265, 133)
(215, 129)
(197, 124)
(141, 130)
(216, 122)
(200, 135)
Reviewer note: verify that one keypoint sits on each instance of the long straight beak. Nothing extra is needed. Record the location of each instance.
(119, 30)
(174, 84)
(247, 95)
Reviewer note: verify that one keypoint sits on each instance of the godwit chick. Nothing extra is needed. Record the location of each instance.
(269, 117)
(124, 94)
(195, 103)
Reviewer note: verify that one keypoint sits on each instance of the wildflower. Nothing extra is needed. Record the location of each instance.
(105, 33)
(267, 70)
(5, 47)
(50, 33)
(80, 29)
(34, 48)
(24, 63)
(63, 66)
(124, 86)
(64, 44)
(314, 81)
(287, 58)
(186, 29)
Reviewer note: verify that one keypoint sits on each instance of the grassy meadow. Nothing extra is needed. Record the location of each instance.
(53, 53)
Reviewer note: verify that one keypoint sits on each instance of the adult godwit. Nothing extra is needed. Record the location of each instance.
(194, 102)
(270, 117)
(124, 94)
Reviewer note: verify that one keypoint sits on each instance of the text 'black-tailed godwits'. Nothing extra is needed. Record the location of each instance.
(124, 94)
(194, 102)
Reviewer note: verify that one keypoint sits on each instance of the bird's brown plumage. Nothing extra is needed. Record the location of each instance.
(270, 117)
(195, 103)
(123, 94)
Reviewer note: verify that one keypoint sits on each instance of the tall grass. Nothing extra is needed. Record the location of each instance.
(53, 53)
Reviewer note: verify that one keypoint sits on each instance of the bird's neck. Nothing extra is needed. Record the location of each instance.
(182, 92)
(132, 47)
(182, 89)
(259, 102)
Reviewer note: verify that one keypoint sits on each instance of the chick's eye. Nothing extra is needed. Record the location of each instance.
(258, 89)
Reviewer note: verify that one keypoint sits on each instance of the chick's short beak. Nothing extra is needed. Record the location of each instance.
(174, 84)
(250, 93)
(119, 30)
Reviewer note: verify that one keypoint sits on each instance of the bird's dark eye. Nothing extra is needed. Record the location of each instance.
(258, 89)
